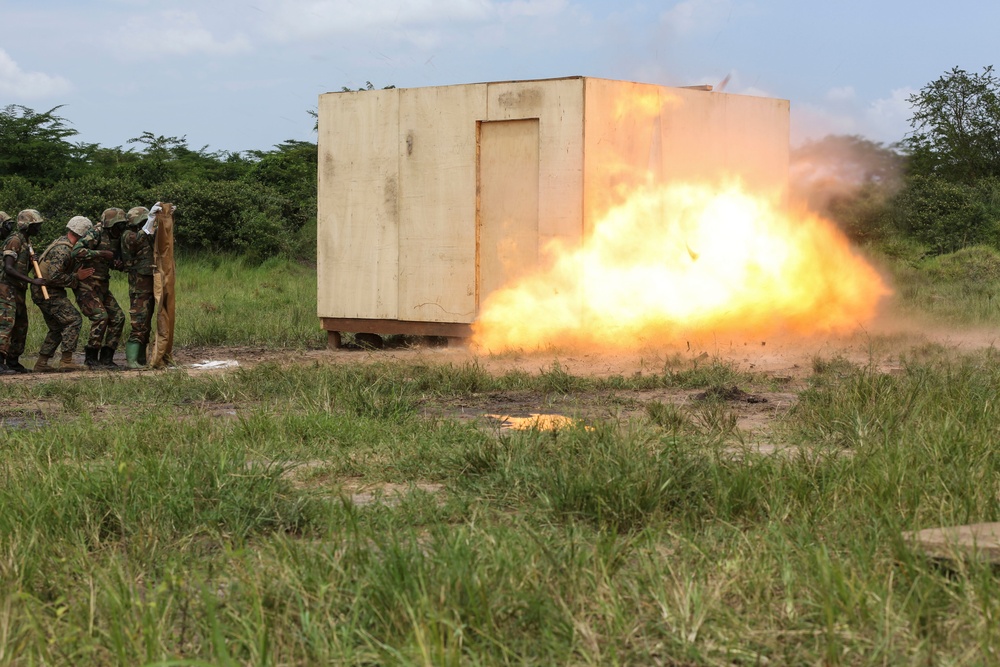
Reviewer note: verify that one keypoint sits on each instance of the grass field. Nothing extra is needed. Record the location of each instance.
(362, 510)
(223, 300)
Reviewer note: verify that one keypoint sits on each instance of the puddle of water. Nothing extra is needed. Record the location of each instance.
(29, 422)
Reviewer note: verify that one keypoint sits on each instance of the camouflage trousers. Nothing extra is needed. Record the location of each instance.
(13, 320)
(63, 321)
(141, 306)
(107, 320)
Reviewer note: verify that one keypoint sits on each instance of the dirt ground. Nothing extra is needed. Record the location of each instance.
(789, 356)
(783, 365)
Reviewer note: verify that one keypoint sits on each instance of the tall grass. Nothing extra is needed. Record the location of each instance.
(141, 527)
(960, 288)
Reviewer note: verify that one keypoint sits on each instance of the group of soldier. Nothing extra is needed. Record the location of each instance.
(80, 261)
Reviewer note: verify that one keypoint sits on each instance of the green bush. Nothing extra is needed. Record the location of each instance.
(948, 216)
(17, 194)
(228, 215)
(87, 196)
(864, 215)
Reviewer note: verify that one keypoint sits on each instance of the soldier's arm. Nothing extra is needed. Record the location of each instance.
(90, 240)
(11, 249)
(86, 247)
(133, 245)
(10, 268)
(128, 257)
(116, 254)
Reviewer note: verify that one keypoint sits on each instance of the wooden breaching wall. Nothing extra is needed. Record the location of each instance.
(160, 349)
(431, 198)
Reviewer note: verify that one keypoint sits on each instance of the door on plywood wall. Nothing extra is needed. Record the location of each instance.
(507, 215)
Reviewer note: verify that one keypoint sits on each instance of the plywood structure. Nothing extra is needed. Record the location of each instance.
(508, 201)
(431, 198)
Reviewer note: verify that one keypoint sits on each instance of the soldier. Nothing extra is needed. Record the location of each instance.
(137, 259)
(99, 248)
(13, 282)
(61, 270)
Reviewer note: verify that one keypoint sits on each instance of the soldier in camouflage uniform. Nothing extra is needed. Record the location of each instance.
(13, 282)
(99, 249)
(61, 271)
(137, 259)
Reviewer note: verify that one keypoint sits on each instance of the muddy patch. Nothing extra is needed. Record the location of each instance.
(29, 415)
(318, 476)
(731, 394)
(28, 420)
(386, 494)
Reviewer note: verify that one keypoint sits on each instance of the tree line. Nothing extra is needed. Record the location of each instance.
(938, 187)
(256, 203)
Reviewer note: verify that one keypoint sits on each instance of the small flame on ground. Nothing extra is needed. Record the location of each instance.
(685, 260)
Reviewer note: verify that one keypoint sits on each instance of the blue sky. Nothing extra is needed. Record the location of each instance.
(240, 74)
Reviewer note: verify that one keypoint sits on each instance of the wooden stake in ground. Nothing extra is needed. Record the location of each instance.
(159, 353)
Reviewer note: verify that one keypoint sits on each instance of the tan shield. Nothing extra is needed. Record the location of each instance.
(162, 344)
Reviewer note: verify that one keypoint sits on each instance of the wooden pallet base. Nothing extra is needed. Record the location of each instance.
(976, 541)
(456, 333)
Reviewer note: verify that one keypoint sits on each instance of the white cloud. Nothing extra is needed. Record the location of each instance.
(888, 118)
(290, 19)
(810, 122)
(752, 91)
(180, 33)
(885, 120)
(17, 83)
(841, 94)
(694, 15)
(531, 8)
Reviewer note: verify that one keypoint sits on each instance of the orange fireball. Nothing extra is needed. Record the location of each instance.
(685, 260)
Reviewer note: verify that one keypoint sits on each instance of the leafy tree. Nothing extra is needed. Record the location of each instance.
(17, 193)
(108, 162)
(956, 126)
(290, 167)
(368, 86)
(259, 203)
(35, 145)
(164, 159)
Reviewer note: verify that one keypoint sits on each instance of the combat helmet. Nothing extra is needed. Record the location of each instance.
(112, 216)
(28, 217)
(137, 215)
(79, 225)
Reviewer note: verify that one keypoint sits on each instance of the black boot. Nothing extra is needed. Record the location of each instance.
(4, 368)
(107, 358)
(90, 358)
(142, 354)
(15, 365)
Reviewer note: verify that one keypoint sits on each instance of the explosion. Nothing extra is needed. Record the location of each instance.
(680, 261)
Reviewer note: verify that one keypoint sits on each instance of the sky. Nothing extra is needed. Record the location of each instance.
(234, 75)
